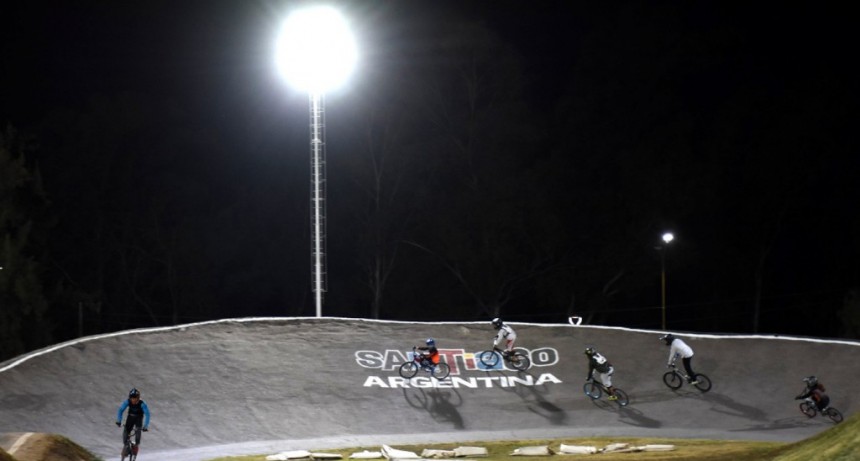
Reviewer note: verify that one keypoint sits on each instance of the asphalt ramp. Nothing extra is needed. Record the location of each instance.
(251, 386)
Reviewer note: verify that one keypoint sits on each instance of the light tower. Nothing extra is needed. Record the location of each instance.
(667, 237)
(315, 53)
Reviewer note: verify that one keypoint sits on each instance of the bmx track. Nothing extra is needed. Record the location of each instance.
(252, 386)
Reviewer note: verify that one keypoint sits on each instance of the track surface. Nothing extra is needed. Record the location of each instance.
(251, 386)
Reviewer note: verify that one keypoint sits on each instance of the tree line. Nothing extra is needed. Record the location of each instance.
(456, 191)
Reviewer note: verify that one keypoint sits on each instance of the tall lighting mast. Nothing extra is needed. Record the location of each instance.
(315, 53)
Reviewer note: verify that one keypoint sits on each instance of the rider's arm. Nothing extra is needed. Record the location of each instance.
(122, 408)
(673, 354)
(145, 415)
(590, 369)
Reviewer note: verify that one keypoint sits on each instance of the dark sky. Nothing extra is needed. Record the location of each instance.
(717, 89)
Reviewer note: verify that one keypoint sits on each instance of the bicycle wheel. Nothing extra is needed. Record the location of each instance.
(623, 400)
(592, 390)
(408, 369)
(704, 383)
(834, 415)
(672, 380)
(441, 370)
(519, 361)
(808, 409)
(489, 358)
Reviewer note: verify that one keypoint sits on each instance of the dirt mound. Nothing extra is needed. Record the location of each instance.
(5, 456)
(48, 447)
(840, 442)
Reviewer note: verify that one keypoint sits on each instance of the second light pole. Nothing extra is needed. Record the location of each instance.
(667, 237)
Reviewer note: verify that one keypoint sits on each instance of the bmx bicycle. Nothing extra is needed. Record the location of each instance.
(810, 409)
(409, 369)
(129, 448)
(675, 377)
(518, 360)
(595, 389)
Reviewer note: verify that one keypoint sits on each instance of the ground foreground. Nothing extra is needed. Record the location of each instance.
(840, 443)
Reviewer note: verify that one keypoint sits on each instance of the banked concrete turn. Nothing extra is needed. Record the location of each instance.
(256, 385)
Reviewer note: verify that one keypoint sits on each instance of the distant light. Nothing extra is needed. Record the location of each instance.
(668, 237)
(315, 50)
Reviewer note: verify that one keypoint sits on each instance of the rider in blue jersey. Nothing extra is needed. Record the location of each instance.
(138, 415)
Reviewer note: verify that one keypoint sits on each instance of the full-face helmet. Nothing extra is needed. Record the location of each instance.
(811, 381)
(430, 342)
(133, 393)
(589, 351)
(497, 323)
(668, 338)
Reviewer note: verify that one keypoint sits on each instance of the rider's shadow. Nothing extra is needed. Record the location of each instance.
(539, 405)
(440, 404)
(729, 406)
(635, 417)
(779, 424)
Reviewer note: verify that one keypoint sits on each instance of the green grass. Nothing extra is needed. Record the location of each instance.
(841, 443)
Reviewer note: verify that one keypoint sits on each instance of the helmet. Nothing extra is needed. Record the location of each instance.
(589, 351)
(133, 393)
(668, 338)
(497, 323)
(811, 381)
(431, 342)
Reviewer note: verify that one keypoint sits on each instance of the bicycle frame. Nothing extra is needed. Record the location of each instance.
(129, 444)
(680, 372)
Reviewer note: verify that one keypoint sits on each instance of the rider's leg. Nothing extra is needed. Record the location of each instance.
(606, 379)
(823, 403)
(689, 369)
(509, 347)
(137, 424)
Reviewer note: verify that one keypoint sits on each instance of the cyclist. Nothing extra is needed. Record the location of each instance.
(138, 416)
(679, 348)
(815, 391)
(429, 354)
(604, 369)
(505, 338)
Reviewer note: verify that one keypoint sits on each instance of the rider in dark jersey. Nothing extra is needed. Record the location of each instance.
(815, 390)
(138, 416)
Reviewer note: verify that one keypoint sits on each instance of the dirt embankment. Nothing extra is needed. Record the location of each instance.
(43, 447)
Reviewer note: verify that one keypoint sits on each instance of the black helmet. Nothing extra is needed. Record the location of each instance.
(589, 351)
(811, 381)
(497, 323)
(133, 393)
(668, 338)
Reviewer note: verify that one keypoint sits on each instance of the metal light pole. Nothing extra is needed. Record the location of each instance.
(315, 53)
(667, 237)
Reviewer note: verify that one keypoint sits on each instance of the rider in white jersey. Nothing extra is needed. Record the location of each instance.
(679, 348)
(505, 337)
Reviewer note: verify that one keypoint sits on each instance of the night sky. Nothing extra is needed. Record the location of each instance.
(487, 158)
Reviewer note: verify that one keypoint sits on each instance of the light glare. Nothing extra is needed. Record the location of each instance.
(668, 237)
(315, 50)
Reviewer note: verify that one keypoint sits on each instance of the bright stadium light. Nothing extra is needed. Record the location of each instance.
(315, 50)
(315, 53)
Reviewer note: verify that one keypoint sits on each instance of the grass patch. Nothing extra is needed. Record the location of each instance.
(840, 443)
(685, 449)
